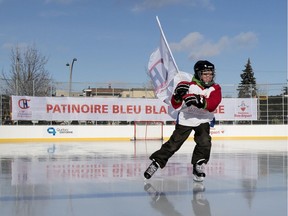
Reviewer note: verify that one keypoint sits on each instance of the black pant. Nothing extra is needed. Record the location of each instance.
(180, 135)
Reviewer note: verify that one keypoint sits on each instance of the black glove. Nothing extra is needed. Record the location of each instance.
(195, 100)
(180, 90)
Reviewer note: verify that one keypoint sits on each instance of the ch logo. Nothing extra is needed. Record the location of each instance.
(23, 104)
(51, 130)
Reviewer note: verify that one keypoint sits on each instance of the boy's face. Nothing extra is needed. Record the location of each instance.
(207, 76)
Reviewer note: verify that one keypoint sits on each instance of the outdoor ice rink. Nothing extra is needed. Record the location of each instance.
(245, 178)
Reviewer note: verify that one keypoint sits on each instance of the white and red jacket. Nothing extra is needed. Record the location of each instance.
(193, 116)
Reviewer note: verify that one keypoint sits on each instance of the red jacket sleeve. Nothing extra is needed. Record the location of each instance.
(214, 98)
(175, 104)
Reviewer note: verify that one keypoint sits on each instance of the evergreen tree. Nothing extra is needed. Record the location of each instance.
(285, 89)
(247, 87)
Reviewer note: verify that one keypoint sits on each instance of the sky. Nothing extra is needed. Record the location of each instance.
(113, 39)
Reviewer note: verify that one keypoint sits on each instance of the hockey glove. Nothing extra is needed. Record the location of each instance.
(180, 90)
(195, 100)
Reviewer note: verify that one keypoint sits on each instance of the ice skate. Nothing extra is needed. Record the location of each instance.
(151, 169)
(198, 171)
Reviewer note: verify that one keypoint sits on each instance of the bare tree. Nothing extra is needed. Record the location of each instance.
(27, 75)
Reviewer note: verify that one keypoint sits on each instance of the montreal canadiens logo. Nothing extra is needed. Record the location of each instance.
(23, 103)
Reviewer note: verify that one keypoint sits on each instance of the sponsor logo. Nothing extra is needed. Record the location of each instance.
(244, 111)
(51, 130)
(24, 112)
(243, 106)
(54, 131)
(23, 104)
(217, 131)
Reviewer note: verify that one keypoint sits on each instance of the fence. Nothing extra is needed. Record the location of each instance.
(272, 98)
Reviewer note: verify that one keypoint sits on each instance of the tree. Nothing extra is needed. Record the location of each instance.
(27, 75)
(285, 90)
(247, 87)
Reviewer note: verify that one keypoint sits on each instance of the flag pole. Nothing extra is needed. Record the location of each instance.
(166, 43)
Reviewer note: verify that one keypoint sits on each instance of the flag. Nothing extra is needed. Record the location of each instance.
(162, 68)
(164, 72)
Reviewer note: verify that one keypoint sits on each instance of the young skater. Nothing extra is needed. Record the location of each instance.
(195, 102)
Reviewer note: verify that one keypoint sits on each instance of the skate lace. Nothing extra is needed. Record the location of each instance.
(152, 169)
(200, 168)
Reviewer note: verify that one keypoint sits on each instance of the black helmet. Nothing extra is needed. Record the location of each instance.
(201, 66)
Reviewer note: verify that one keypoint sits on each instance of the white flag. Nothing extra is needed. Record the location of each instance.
(162, 68)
